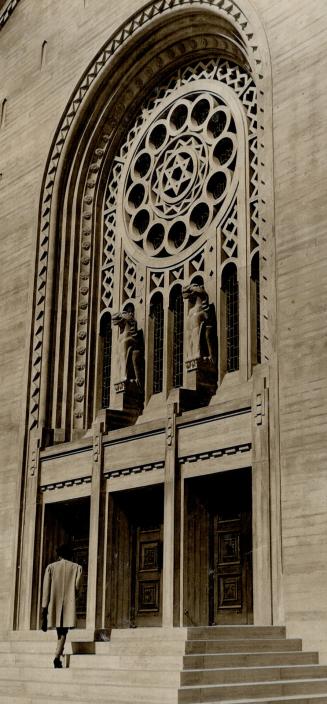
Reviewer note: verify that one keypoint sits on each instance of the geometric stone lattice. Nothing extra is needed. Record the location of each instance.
(229, 234)
(180, 173)
(129, 282)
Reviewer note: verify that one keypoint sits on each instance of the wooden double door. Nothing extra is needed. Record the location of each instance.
(135, 548)
(218, 550)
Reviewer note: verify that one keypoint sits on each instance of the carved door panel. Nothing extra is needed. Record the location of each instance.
(80, 555)
(232, 582)
(148, 578)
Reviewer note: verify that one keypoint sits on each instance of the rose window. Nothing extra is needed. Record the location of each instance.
(180, 174)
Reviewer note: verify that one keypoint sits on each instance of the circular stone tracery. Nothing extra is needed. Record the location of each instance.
(180, 174)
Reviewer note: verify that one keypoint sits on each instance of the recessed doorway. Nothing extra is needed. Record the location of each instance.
(69, 522)
(218, 549)
(135, 548)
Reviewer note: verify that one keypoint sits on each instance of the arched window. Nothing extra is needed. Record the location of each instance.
(165, 200)
(177, 308)
(230, 288)
(255, 310)
(106, 334)
(157, 315)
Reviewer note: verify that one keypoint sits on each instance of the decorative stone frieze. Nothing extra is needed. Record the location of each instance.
(137, 469)
(220, 452)
(65, 483)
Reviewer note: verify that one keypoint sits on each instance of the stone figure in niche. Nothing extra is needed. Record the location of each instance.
(130, 348)
(201, 325)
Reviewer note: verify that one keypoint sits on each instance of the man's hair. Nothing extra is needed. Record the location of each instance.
(65, 551)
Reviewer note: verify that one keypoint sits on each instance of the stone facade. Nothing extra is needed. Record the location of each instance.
(79, 83)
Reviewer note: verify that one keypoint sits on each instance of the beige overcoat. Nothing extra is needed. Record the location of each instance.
(62, 580)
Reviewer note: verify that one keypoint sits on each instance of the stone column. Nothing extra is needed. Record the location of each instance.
(26, 568)
(262, 593)
(169, 519)
(96, 529)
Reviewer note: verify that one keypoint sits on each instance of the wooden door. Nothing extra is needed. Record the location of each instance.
(232, 569)
(147, 581)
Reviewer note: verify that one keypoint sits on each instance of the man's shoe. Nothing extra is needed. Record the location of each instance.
(57, 662)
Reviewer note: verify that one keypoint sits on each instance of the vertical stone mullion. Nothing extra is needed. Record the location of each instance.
(169, 519)
(95, 539)
(262, 588)
(26, 567)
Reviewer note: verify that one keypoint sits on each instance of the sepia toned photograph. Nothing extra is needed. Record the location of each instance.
(163, 352)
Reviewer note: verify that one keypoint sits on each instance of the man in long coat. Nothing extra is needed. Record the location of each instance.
(62, 580)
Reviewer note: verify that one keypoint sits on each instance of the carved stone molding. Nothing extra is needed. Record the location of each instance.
(138, 469)
(259, 410)
(65, 483)
(170, 425)
(220, 452)
(84, 281)
(34, 455)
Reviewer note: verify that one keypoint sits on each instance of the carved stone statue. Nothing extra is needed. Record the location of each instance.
(201, 325)
(130, 348)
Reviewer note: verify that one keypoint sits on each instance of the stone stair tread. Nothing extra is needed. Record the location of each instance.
(72, 679)
(242, 640)
(256, 667)
(202, 647)
(252, 659)
(297, 698)
(72, 692)
(131, 662)
(41, 699)
(252, 684)
(252, 690)
(246, 632)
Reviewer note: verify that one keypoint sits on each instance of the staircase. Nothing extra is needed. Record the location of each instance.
(231, 664)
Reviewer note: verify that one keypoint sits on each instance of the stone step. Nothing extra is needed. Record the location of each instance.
(34, 647)
(242, 645)
(253, 690)
(292, 699)
(308, 699)
(211, 661)
(36, 660)
(136, 634)
(78, 691)
(132, 662)
(233, 632)
(24, 699)
(252, 674)
(147, 647)
(140, 678)
(77, 634)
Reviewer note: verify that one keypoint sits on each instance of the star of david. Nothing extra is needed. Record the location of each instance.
(178, 175)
